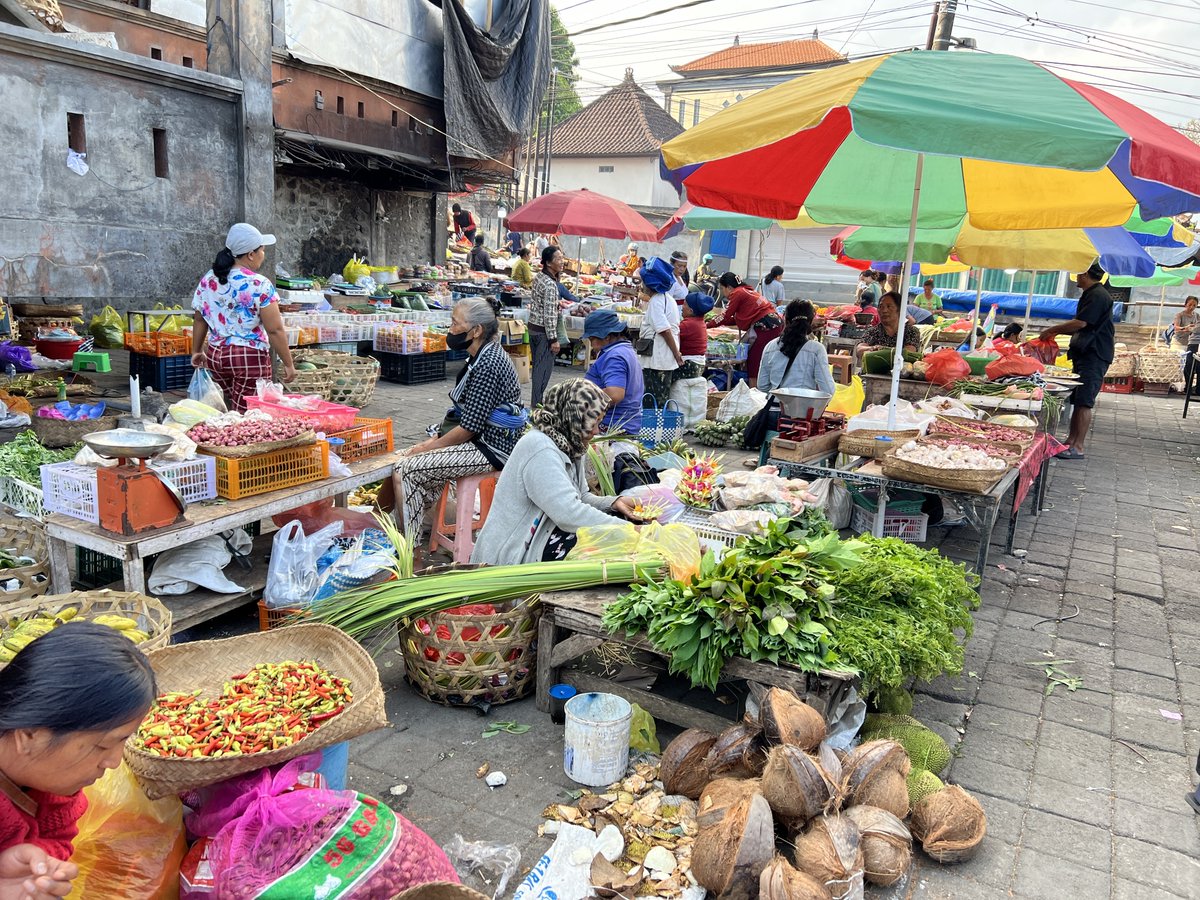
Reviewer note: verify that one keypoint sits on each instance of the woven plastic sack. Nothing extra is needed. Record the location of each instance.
(128, 846)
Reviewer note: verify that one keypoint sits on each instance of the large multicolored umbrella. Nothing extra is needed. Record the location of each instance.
(1160, 232)
(584, 213)
(1162, 279)
(699, 218)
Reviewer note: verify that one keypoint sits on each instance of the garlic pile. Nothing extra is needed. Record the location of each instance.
(949, 457)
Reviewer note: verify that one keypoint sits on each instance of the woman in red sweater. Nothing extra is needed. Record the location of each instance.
(753, 314)
(68, 702)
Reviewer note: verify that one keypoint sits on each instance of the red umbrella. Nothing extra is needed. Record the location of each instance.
(582, 213)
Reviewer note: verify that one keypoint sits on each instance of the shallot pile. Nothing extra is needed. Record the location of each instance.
(949, 457)
(981, 429)
(249, 431)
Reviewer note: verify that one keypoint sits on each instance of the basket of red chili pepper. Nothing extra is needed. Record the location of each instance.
(235, 705)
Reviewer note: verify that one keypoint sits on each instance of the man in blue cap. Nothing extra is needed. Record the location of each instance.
(616, 370)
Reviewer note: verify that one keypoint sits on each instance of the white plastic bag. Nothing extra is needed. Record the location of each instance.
(292, 577)
(204, 389)
(946, 406)
(565, 872)
(691, 395)
(198, 564)
(834, 499)
(743, 400)
(908, 417)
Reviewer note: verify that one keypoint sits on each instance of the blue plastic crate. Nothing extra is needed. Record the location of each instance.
(162, 373)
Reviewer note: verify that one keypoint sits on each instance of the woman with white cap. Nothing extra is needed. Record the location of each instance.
(236, 319)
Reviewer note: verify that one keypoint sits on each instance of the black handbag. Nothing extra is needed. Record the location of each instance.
(760, 422)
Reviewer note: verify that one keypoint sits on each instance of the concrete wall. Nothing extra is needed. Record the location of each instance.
(634, 179)
(118, 235)
(321, 222)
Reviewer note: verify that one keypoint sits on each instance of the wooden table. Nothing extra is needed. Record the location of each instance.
(570, 627)
(203, 520)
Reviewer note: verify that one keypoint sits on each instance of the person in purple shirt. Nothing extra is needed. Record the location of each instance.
(616, 370)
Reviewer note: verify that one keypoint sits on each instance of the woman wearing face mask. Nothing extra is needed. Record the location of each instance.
(479, 432)
(542, 499)
(68, 702)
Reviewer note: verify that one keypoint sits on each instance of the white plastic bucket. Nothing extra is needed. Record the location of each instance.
(597, 739)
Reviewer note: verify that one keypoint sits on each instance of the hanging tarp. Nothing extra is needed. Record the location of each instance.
(1044, 305)
(495, 78)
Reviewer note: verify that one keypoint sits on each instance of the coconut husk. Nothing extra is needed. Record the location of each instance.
(886, 844)
(609, 881)
(830, 852)
(797, 786)
(683, 771)
(876, 774)
(729, 857)
(782, 881)
(737, 753)
(786, 719)
(950, 824)
(719, 796)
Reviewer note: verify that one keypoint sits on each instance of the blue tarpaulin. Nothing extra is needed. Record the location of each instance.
(1044, 306)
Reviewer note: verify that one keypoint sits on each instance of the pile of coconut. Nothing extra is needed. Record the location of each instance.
(774, 782)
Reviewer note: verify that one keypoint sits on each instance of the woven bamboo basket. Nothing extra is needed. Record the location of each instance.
(152, 617)
(352, 378)
(971, 481)
(28, 328)
(23, 537)
(247, 450)
(457, 660)
(312, 381)
(1007, 449)
(862, 442)
(1123, 365)
(1158, 365)
(56, 433)
(935, 430)
(206, 665)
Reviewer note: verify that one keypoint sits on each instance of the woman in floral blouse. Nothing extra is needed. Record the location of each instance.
(236, 319)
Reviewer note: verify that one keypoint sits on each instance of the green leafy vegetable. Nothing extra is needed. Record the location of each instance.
(494, 728)
(23, 457)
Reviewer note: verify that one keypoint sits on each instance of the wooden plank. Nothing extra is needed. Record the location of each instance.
(572, 648)
(202, 604)
(546, 673)
(668, 710)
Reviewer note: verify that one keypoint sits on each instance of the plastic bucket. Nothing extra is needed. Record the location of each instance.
(597, 739)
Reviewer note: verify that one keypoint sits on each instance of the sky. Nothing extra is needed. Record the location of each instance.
(1145, 51)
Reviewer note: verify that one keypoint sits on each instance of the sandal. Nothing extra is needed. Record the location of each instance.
(1070, 453)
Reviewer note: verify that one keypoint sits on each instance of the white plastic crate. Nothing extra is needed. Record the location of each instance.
(909, 527)
(711, 538)
(71, 490)
(21, 497)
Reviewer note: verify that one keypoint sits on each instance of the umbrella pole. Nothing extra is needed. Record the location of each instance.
(1162, 299)
(898, 361)
(1029, 300)
(978, 300)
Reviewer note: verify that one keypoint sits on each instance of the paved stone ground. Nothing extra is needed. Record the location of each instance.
(1084, 790)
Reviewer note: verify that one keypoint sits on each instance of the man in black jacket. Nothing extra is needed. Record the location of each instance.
(1093, 345)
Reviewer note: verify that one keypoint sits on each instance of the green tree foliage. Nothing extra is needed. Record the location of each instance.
(564, 60)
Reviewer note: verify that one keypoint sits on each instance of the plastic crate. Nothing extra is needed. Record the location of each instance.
(400, 339)
(238, 478)
(327, 417)
(908, 527)
(350, 347)
(162, 373)
(368, 437)
(456, 355)
(96, 570)
(158, 343)
(279, 616)
(899, 501)
(71, 490)
(21, 497)
(1117, 384)
(710, 537)
(412, 368)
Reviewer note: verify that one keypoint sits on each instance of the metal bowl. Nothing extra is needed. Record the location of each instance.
(801, 404)
(127, 443)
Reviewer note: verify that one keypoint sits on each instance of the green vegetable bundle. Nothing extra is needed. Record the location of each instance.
(23, 457)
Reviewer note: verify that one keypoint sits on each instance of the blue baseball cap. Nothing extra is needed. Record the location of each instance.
(700, 302)
(602, 323)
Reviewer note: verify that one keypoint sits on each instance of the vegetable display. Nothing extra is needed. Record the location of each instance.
(23, 457)
(273, 705)
(979, 430)
(958, 456)
(249, 431)
(21, 632)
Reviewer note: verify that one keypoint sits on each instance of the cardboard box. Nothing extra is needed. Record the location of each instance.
(512, 331)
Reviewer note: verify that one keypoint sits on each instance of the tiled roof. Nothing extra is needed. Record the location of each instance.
(624, 122)
(780, 55)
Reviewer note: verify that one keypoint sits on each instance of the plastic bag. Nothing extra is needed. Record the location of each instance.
(946, 366)
(743, 400)
(659, 495)
(691, 396)
(1013, 365)
(355, 269)
(370, 557)
(204, 389)
(173, 324)
(181, 570)
(834, 499)
(128, 846)
(16, 356)
(1005, 348)
(191, 412)
(848, 399)
(1045, 352)
(292, 576)
(946, 406)
(108, 328)
(320, 513)
(500, 860)
(677, 544)
(643, 735)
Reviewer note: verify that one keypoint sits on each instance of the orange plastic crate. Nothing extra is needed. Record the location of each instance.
(279, 616)
(368, 437)
(238, 478)
(158, 343)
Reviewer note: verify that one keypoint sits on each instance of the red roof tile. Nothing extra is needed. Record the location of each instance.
(624, 122)
(780, 55)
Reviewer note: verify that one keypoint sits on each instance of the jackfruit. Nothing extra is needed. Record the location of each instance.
(925, 748)
(881, 721)
(922, 783)
(893, 700)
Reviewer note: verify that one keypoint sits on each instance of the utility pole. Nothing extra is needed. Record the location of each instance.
(549, 132)
(945, 25)
(933, 20)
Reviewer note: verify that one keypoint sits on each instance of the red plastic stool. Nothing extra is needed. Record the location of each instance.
(461, 541)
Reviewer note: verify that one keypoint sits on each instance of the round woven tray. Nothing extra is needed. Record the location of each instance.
(57, 433)
(935, 430)
(457, 660)
(1158, 365)
(971, 481)
(352, 378)
(246, 450)
(862, 442)
(152, 617)
(205, 665)
(1007, 449)
(1123, 365)
(23, 537)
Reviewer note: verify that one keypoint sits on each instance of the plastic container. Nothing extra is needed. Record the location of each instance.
(238, 478)
(596, 752)
(96, 570)
(909, 527)
(979, 363)
(71, 490)
(326, 416)
(162, 373)
(158, 343)
(412, 368)
(21, 497)
(559, 695)
(58, 349)
(368, 437)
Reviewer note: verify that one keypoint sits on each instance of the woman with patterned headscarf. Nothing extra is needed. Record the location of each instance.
(542, 497)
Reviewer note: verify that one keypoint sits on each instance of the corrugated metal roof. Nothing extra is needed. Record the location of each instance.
(779, 55)
(624, 122)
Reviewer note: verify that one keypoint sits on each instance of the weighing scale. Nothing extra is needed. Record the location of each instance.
(132, 496)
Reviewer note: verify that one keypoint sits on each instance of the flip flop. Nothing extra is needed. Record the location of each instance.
(1071, 453)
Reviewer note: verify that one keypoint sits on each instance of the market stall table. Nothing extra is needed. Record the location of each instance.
(571, 626)
(203, 520)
